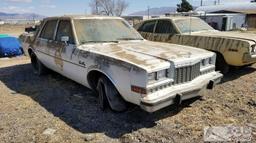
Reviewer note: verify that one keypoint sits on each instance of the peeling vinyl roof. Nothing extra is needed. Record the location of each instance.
(245, 7)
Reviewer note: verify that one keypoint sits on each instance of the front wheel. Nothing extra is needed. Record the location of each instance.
(108, 95)
(221, 64)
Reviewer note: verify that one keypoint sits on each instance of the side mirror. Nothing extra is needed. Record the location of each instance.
(65, 39)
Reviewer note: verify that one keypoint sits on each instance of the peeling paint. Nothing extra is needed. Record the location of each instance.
(232, 45)
(210, 42)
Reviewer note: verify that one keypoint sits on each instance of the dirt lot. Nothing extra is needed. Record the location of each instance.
(53, 108)
(13, 30)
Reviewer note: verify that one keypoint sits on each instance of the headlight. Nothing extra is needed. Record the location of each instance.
(253, 49)
(211, 61)
(157, 75)
(161, 74)
(208, 61)
(203, 62)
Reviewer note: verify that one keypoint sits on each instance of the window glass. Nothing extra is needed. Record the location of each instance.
(165, 27)
(192, 25)
(65, 29)
(104, 30)
(148, 27)
(48, 30)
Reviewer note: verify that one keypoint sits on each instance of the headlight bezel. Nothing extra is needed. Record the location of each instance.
(207, 62)
(158, 75)
(151, 76)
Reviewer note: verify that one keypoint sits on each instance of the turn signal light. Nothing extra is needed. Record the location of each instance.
(139, 90)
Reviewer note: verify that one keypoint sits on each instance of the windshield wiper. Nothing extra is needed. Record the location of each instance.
(129, 39)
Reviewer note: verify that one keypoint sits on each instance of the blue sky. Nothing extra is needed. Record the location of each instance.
(61, 7)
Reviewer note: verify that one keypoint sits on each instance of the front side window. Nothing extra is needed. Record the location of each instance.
(65, 29)
(192, 25)
(104, 30)
(48, 30)
(165, 27)
(148, 27)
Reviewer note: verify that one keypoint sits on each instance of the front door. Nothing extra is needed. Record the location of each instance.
(66, 54)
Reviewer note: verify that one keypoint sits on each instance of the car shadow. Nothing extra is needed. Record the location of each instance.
(77, 106)
(236, 73)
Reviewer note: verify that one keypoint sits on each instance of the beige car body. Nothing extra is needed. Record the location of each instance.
(238, 49)
(127, 64)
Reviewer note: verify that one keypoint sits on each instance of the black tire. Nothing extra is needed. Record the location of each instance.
(221, 64)
(102, 99)
(108, 95)
(38, 67)
(247, 65)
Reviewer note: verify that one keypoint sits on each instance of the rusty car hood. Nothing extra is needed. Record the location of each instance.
(232, 35)
(146, 54)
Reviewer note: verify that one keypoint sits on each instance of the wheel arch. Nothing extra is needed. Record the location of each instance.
(218, 54)
(30, 51)
(94, 75)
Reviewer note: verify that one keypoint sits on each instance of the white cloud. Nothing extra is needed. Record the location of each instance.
(48, 6)
(19, 1)
(15, 9)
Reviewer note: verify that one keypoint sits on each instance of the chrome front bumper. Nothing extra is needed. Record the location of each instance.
(179, 93)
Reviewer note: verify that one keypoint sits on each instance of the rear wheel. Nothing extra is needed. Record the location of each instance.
(38, 67)
(108, 95)
(221, 64)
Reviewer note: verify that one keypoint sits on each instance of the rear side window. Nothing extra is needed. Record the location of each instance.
(148, 27)
(48, 30)
(165, 27)
(65, 29)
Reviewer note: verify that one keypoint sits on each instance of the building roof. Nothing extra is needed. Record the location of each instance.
(245, 7)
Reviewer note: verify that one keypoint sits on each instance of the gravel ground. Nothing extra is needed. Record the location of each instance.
(53, 108)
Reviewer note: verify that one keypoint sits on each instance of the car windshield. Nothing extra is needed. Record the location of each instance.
(192, 25)
(104, 30)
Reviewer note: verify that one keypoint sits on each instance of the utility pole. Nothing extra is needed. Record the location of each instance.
(96, 7)
(148, 11)
(201, 2)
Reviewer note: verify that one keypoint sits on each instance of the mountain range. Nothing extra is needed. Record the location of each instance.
(27, 16)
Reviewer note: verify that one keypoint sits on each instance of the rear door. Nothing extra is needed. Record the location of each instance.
(44, 44)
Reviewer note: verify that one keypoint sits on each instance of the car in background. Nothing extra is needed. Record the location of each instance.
(232, 48)
(9, 46)
(27, 37)
(109, 56)
(25, 40)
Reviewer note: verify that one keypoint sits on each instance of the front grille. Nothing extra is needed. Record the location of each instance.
(186, 74)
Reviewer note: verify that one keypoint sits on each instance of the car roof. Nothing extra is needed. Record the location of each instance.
(173, 18)
(82, 17)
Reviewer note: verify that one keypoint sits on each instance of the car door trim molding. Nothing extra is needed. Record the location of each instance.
(80, 65)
